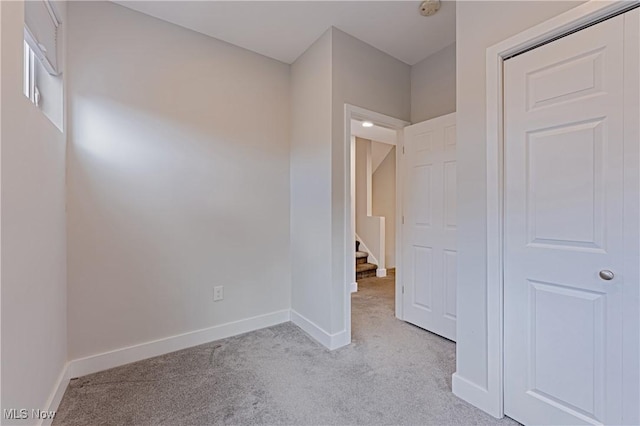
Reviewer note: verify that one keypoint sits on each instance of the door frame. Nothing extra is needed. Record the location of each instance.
(491, 398)
(358, 113)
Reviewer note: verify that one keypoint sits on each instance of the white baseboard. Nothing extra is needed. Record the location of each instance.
(354, 287)
(475, 395)
(57, 394)
(118, 357)
(381, 272)
(339, 340)
(330, 341)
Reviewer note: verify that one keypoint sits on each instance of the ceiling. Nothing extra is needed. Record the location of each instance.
(374, 133)
(283, 30)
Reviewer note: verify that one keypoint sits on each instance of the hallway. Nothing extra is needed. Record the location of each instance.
(392, 373)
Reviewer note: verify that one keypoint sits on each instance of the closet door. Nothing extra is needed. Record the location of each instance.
(566, 232)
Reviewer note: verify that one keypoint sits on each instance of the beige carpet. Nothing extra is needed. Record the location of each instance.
(393, 373)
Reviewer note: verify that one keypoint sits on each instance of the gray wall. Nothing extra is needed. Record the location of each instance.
(310, 162)
(479, 26)
(337, 69)
(369, 78)
(178, 180)
(33, 243)
(433, 85)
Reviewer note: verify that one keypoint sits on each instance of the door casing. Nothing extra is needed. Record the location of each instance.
(491, 397)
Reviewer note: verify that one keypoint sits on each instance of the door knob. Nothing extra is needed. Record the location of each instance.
(606, 275)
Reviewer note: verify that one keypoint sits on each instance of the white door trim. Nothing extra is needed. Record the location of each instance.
(490, 398)
(354, 112)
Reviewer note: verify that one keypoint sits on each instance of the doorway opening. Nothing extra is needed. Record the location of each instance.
(387, 132)
(418, 214)
(374, 177)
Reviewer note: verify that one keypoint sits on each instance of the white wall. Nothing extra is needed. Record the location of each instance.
(379, 152)
(33, 266)
(310, 162)
(371, 79)
(384, 203)
(363, 182)
(178, 180)
(477, 29)
(433, 85)
(369, 227)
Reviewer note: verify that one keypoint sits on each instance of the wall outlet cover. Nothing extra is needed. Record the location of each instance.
(218, 293)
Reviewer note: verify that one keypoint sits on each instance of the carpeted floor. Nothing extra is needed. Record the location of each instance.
(393, 373)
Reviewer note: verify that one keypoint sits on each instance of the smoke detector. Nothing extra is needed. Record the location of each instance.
(429, 7)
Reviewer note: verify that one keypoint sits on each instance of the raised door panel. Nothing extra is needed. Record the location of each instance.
(565, 191)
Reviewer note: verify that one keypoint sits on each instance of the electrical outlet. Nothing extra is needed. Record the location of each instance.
(218, 293)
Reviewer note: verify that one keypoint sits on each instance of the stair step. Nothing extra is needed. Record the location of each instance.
(363, 267)
(365, 270)
(360, 254)
(365, 274)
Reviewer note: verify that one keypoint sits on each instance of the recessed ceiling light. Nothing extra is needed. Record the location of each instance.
(367, 124)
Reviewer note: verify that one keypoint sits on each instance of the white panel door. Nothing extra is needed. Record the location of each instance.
(564, 269)
(429, 230)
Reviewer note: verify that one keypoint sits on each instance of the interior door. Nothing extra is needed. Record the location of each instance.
(429, 225)
(564, 269)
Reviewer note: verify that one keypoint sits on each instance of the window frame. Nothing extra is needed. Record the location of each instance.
(30, 88)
